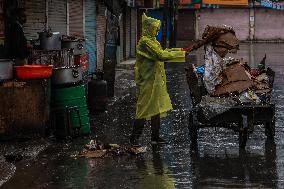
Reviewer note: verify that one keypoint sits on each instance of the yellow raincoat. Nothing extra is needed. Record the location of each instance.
(150, 77)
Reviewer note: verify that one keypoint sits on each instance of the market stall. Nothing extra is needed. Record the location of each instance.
(49, 92)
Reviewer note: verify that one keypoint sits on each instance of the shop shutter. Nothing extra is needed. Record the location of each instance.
(127, 32)
(100, 30)
(269, 24)
(185, 25)
(57, 16)
(139, 23)
(35, 10)
(121, 38)
(133, 32)
(76, 18)
(217, 17)
(90, 29)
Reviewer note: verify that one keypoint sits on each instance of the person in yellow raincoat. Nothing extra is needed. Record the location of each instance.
(153, 99)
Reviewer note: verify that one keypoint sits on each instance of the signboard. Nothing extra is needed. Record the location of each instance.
(182, 2)
(192, 4)
(272, 4)
(226, 2)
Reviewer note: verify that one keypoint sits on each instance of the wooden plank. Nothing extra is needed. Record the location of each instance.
(24, 108)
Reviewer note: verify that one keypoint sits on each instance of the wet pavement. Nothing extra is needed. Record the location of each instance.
(218, 163)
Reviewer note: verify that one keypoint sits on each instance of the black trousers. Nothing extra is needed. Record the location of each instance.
(139, 126)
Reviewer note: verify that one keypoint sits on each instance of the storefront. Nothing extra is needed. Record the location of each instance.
(69, 17)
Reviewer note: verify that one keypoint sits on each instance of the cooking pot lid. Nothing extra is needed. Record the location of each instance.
(72, 38)
(6, 60)
(54, 33)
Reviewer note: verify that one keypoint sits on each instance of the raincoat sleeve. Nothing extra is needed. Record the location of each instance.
(173, 49)
(155, 52)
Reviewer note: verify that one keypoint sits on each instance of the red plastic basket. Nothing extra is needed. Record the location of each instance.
(34, 71)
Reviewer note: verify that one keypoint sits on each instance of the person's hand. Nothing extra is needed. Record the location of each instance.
(188, 49)
(196, 45)
(191, 48)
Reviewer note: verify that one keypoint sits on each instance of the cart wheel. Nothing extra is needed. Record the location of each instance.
(270, 129)
(192, 127)
(243, 137)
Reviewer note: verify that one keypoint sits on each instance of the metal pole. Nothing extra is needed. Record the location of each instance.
(174, 20)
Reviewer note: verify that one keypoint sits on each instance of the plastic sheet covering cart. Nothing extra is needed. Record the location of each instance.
(239, 117)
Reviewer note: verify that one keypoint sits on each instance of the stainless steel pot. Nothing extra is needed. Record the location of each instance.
(67, 75)
(78, 45)
(6, 69)
(50, 40)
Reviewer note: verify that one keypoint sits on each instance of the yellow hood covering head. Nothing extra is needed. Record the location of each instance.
(150, 26)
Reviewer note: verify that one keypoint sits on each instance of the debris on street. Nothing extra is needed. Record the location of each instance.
(96, 149)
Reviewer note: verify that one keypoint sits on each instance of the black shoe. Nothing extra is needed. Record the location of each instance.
(158, 141)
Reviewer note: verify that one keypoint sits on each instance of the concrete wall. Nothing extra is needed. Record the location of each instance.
(237, 18)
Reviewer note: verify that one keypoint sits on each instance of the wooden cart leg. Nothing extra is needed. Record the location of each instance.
(243, 132)
(270, 129)
(243, 137)
(192, 127)
(270, 126)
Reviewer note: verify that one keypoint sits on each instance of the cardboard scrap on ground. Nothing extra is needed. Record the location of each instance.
(96, 149)
(138, 150)
(94, 154)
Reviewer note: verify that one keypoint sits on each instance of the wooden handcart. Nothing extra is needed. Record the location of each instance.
(257, 114)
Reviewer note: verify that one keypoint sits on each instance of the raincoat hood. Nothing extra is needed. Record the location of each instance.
(150, 26)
